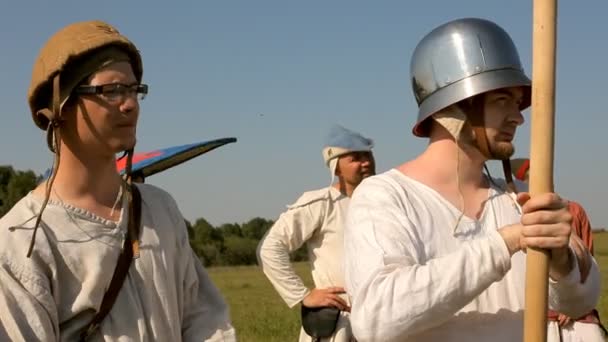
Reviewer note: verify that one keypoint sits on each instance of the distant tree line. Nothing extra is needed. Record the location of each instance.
(14, 185)
(231, 243)
(225, 245)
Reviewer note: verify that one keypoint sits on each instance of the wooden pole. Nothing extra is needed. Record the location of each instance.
(541, 159)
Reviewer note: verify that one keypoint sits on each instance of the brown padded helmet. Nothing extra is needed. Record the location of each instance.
(64, 49)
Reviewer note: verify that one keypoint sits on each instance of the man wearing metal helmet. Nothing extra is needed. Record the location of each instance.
(88, 254)
(316, 219)
(434, 248)
(587, 327)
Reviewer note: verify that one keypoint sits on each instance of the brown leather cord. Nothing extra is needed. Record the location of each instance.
(506, 168)
(50, 137)
(474, 112)
(127, 254)
(482, 141)
(56, 99)
(53, 140)
(475, 117)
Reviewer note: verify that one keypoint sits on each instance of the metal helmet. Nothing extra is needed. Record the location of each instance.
(59, 55)
(460, 59)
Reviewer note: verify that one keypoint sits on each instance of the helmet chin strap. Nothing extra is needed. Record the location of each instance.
(469, 114)
(475, 118)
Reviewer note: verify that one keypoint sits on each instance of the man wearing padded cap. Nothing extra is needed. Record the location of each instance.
(87, 254)
(434, 248)
(587, 327)
(316, 219)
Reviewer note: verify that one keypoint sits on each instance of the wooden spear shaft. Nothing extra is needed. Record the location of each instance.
(541, 159)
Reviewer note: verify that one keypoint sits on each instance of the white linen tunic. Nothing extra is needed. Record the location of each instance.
(412, 278)
(52, 296)
(317, 219)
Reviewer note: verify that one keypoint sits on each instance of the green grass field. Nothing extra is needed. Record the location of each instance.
(257, 311)
(259, 314)
(600, 247)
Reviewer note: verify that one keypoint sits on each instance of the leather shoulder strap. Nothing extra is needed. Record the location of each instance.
(129, 250)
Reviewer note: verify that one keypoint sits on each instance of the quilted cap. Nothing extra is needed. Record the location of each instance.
(65, 53)
(341, 141)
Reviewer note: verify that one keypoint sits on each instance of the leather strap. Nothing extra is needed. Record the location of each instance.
(475, 118)
(506, 168)
(474, 112)
(129, 251)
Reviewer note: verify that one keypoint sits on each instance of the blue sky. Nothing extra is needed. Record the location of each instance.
(277, 74)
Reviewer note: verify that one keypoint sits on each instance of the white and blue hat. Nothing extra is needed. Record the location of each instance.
(341, 141)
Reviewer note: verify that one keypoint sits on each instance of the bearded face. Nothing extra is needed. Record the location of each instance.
(502, 116)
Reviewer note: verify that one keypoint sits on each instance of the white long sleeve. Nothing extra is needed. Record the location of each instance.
(404, 296)
(572, 297)
(412, 278)
(317, 220)
(291, 230)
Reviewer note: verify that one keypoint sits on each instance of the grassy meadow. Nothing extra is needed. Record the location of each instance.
(259, 314)
(257, 311)
(600, 246)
